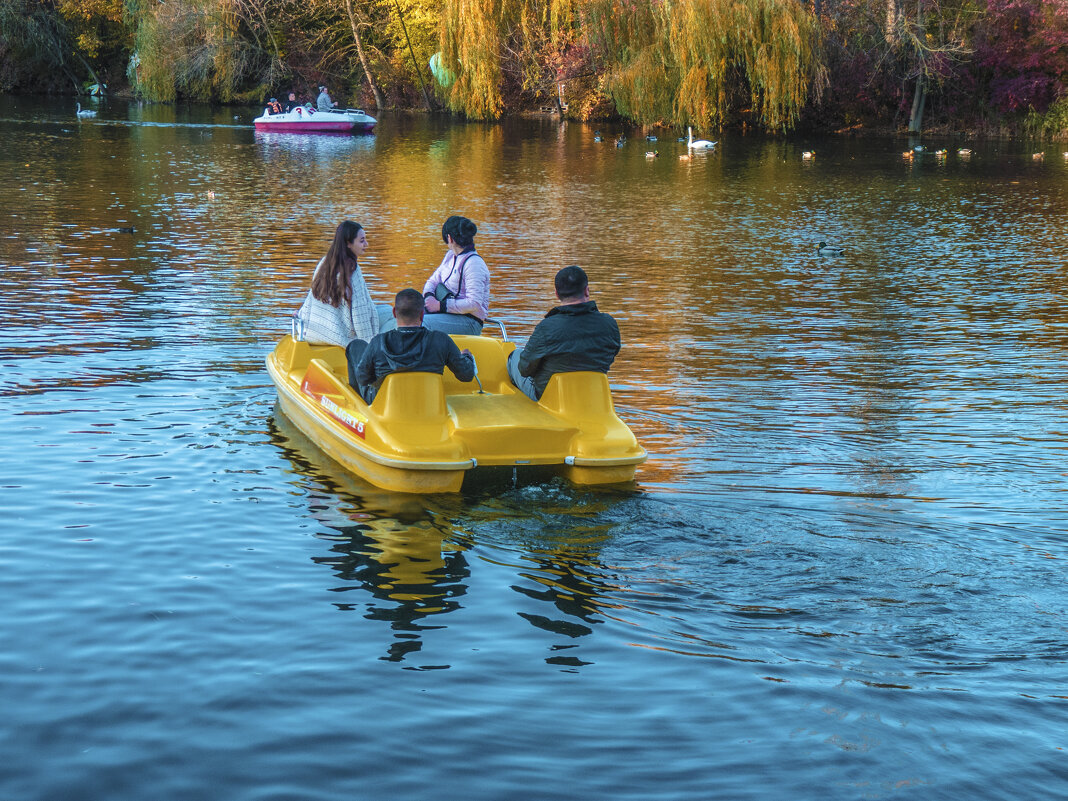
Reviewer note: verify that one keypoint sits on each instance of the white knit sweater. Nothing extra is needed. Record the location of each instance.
(338, 325)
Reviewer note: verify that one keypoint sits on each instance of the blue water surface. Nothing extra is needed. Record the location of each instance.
(839, 576)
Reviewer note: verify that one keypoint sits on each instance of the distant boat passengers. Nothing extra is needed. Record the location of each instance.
(324, 102)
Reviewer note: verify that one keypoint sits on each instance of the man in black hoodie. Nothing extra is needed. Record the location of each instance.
(574, 336)
(408, 349)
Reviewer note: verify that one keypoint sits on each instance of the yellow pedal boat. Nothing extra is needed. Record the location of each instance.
(425, 432)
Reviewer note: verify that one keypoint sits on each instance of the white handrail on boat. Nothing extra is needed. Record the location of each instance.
(491, 320)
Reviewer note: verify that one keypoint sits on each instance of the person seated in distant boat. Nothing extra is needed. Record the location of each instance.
(408, 348)
(457, 294)
(323, 102)
(339, 308)
(291, 103)
(574, 336)
(273, 106)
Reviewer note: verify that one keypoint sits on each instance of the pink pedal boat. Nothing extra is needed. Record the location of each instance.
(305, 119)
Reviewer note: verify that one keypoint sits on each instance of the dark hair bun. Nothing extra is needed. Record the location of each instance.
(461, 229)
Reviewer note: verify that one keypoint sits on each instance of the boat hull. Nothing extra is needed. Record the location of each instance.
(305, 119)
(339, 447)
(425, 433)
(308, 127)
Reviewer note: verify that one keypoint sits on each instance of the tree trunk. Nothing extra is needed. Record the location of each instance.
(919, 100)
(415, 64)
(379, 101)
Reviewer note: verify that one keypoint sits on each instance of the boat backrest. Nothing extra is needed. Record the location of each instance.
(579, 396)
(411, 396)
(293, 355)
(490, 356)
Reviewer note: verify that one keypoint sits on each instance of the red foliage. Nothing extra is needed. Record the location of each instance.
(1023, 47)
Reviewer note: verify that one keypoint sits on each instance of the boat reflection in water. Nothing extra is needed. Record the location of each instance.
(409, 569)
(415, 564)
(321, 148)
(382, 543)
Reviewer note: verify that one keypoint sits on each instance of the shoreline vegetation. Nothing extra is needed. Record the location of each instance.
(978, 68)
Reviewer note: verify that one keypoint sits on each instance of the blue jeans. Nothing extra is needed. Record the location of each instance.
(524, 383)
(386, 320)
(452, 323)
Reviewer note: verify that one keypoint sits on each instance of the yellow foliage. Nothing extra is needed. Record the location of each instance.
(190, 46)
(477, 35)
(685, 55)
(90, 10)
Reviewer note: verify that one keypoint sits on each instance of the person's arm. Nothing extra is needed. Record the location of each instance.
(462, 363)
(533, 353)
(362, 312)
(435, 278)
(617, 343)
(475, 289)
(365, 369)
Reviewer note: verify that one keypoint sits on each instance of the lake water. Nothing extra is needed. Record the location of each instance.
(840, 575)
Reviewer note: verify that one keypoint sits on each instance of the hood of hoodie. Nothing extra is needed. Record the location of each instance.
(589, 307)
(405, 348)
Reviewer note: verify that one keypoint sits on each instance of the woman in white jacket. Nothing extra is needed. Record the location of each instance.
(457, 294)
(339, 308)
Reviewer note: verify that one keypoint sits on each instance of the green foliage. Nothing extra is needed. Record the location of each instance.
(33, 42)
(1053, 123)
(43, 42)
(471, 45)
(202, 49)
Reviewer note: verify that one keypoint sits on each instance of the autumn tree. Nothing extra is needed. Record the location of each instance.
(72, 39)
(1023, 52)
(703, 62)
(483, 43)
(930, 37)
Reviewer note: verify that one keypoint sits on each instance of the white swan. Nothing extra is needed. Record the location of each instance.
(83, 113)
(700, 143)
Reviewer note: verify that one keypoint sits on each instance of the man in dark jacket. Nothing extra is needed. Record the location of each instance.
(408, 349)
(573, 336)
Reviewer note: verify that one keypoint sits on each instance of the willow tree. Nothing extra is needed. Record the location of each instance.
(695, 61)
(41, 40)
(481, 39)
(417, 23)
(34, 44)
(198, 48)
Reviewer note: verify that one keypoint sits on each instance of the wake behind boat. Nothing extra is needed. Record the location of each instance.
(305, 119)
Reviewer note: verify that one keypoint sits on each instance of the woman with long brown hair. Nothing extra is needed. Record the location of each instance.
(339, 308)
